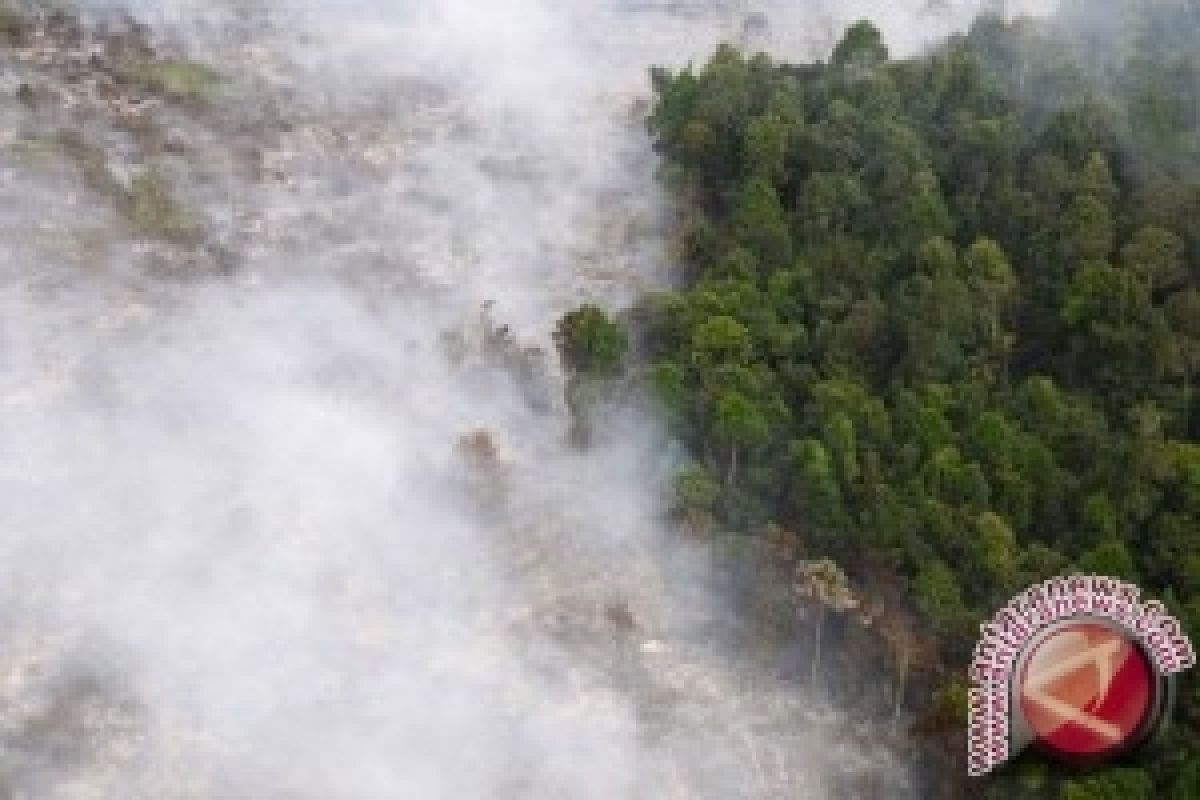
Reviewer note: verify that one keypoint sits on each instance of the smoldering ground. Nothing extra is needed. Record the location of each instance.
(287, 504)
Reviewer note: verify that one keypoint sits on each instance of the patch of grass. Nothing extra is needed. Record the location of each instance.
(154, 211)
(185, 81)
(148, 202)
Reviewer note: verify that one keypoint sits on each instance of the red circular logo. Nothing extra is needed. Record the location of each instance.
(1087, 690)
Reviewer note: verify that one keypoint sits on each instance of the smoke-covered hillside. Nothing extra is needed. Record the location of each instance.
(288, 504)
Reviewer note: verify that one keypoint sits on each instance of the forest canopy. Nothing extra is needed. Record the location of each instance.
(940, 316)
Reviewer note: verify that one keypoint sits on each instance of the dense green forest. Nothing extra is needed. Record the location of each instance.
(940, 318)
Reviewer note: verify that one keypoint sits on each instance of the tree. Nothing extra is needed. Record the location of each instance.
(1156, 256)
(842, 441)
(1089, 230)
(823, 582)
(671, 387)
(939, 594)
(998, 550)
(820, 493)
(1110, 315)
(739, 424)
(830, 200)
(762, 225)
(907, 648)
(861, 46)
(1099, 294)
(768, 140)
(993, 284)
(1182, 313)
(924, 216)
(1097, 180)
(591, 343)
(696, 492)
(1111, 558)
(991, 276)
(720, 340)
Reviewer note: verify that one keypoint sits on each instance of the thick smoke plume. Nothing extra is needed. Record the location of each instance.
(287, 504)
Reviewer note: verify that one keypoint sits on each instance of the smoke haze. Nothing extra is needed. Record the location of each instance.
(287, 508)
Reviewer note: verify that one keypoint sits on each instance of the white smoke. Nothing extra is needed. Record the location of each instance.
(314, 530)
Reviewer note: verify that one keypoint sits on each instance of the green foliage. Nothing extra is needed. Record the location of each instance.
(721, 340)
(696, 491)
(939, 595)
(153, 210)
(184, 81)
(761, 224)
(1114, 784)
(862, 44)
(1185, 784)
(941, 316)
(591, 343)
(951, 702)
(1110, 557)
